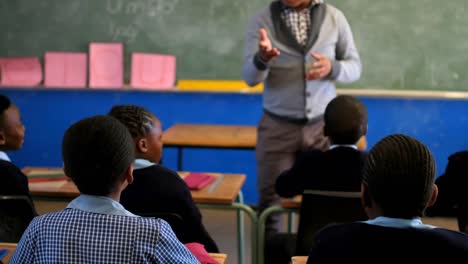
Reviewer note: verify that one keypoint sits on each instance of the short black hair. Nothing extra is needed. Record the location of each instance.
(96, 152)
(137, 119)
(399, 174)
(345, 120)
(5, 103)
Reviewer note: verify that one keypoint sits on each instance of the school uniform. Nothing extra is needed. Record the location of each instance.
(97, 229)
(388, 240)
(337, 169)
(13, 181)
(157, 189)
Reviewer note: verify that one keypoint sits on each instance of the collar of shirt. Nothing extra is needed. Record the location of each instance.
(313, 3)
(99, 205)
(343, 145)
(4, 156)
(398, 222)
(142, 163)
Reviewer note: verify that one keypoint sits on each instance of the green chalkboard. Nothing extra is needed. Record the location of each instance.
(417, 44)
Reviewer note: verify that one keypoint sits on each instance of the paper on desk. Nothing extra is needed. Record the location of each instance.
(21, 71)
(106, 65)
(153, 71)
(65, 69)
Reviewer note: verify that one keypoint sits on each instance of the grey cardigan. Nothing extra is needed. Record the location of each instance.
(286, 92)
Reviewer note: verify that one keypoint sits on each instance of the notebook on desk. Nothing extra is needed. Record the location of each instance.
(196, 181)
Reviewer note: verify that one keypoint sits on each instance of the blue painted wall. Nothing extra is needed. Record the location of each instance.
(441, 124)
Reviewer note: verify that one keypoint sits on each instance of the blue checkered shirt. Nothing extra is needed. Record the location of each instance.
(80, 236)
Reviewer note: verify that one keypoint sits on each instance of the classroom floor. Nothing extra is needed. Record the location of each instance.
(222, 227)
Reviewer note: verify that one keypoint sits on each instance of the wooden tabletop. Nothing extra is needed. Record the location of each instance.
(11, 247)
(221, 258)
(223, 190)
(219, 136)
(294, 202)
(299, 259)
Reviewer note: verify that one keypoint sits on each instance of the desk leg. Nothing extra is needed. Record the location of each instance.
(240, 228)
(253, 218)
(261, 228)
(291, 222)
(179, 158)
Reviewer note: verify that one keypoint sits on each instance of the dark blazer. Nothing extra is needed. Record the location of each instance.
(365, 243)
(157, 189)
(13, 180)
(338, 169)
(452, 186)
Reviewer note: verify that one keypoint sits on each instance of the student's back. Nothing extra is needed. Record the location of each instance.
(157, 189)
(365, 243)
(76, 236)
(338, 169)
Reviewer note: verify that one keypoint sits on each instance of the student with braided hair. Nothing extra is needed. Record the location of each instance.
(157, 189)
(397, 187)
(98, 155)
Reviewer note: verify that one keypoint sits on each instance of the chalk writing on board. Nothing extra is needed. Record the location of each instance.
(148, 8)
(125, 33)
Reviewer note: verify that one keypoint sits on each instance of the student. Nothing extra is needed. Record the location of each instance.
(95, 228)
(340, 167)
(397, 187)
(452, 200)
(337, 169)
(157, 189)
(452, 186)
(13, 181)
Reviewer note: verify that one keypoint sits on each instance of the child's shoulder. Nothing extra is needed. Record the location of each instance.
(8, 168)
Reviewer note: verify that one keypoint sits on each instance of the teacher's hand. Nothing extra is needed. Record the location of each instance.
(266, 50)
(321, 67)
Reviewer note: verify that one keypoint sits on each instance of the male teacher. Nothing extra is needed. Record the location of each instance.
(298, 49)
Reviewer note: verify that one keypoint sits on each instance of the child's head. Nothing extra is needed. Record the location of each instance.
(345, 120)
(98, 155)
(11, 126)
(398, 178)
(145, 129)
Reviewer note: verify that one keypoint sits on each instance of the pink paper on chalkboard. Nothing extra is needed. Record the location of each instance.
(153, 71)
(106, 65)
(65, 69)
(20, 72)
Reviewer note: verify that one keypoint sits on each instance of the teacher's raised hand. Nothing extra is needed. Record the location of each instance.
(266, 50)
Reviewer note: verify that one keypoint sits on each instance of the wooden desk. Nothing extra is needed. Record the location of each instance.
(215, 136)
(11, 247)
(223, 197)
(299, 259)
(221, 258)
(209, 136)
(226, 191)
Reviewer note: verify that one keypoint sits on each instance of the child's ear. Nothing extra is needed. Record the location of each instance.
(2, 138)
(325, 130)
(142, 145)
(366, 200)
(364, 129)
(434, 194)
